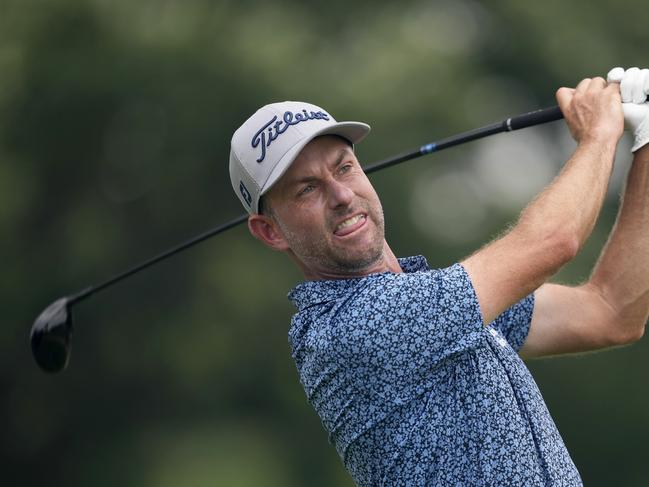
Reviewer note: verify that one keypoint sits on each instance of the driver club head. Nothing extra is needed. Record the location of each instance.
(50, 336)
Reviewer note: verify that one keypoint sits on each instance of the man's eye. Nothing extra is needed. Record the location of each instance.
(345, 168)
(307, 189)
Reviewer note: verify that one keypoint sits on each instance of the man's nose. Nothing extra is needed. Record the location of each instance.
(339, 194)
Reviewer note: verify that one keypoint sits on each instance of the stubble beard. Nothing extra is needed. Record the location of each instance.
(322, 254)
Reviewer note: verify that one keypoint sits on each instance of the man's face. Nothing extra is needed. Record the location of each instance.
(327, 210)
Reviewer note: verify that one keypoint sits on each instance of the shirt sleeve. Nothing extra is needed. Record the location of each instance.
(514, 323)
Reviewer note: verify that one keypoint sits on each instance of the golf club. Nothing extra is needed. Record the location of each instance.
(50, 334)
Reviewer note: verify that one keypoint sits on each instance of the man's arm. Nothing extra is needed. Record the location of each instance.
(622, 272)
(613, 306)
(556, 224)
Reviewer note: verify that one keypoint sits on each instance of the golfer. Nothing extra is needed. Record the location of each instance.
(416, 373)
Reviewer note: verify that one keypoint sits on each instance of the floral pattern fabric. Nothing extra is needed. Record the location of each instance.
(413, 389)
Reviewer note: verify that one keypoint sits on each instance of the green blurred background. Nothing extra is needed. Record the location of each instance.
(115, 121)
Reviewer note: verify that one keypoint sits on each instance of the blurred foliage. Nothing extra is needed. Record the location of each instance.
(115, 121)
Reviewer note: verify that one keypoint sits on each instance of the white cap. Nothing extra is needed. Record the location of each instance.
(268, 142)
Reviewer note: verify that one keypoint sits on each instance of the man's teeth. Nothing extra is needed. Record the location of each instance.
(350, 221)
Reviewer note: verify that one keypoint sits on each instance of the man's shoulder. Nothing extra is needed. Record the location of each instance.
(418, 284)
(310, 293)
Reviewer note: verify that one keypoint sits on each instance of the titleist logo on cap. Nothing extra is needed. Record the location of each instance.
(274, 128)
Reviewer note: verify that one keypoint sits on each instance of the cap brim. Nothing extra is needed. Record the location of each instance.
(352, 131)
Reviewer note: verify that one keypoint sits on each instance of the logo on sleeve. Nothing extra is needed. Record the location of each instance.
(501, 341)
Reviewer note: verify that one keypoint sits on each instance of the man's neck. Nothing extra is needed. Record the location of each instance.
(387, 263)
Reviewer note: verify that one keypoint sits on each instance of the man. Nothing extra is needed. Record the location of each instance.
(414, 372)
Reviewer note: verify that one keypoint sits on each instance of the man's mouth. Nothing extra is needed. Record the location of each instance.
(350, 225)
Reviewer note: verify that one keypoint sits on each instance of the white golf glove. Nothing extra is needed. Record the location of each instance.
(634, 87)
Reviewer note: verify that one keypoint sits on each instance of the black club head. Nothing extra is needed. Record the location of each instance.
(50, 336)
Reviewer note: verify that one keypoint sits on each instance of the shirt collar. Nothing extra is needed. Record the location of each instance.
(310, 293)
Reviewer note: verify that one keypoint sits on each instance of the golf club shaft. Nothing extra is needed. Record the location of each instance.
(514, 123)
(529, 119)
(153, 260)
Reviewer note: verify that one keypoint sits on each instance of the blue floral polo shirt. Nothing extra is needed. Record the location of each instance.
(413, 389)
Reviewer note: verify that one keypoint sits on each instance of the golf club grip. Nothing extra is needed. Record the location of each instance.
(536, 117)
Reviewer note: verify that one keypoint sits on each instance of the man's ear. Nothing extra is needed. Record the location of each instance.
(266, 229)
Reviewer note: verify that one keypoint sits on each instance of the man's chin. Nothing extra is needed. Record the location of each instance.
(357, 263)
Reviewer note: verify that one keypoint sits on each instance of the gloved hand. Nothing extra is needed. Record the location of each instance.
(634, 87)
